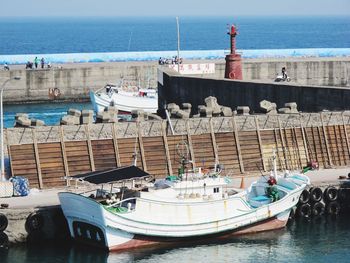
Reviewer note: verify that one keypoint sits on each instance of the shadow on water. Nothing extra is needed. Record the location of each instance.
(318, 240)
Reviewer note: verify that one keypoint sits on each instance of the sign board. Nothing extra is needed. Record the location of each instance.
(192, 69)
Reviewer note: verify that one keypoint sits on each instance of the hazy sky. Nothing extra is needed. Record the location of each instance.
(172, 8)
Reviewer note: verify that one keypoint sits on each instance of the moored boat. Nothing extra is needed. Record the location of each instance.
(126, 99)
(191, 206)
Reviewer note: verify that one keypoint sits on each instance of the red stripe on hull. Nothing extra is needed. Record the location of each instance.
(145, 241)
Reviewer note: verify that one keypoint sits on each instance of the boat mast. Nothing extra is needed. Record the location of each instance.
(178, 44)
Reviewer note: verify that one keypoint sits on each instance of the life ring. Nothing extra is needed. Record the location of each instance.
(304, 197)
(317, 209)
(330, 194)
(333, 208)
(316, 194)
(231, 75)
(56, 92)
(34, 222)
(304, 211)
(3, 222)
(4, 240)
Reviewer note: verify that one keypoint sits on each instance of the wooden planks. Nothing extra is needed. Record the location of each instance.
(103, 154)
(52, 165)
(23, 163)
(78, 157)
(46, 164)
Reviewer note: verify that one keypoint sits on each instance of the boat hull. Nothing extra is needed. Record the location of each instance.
(124, 103)
(115, 236)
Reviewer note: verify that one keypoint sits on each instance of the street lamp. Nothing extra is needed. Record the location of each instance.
(2, 176)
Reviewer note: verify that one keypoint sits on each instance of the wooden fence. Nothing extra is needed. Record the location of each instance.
(242, 152)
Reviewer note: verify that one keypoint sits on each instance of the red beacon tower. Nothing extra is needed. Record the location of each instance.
(233, 69)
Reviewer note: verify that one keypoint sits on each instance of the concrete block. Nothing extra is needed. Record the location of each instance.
(291, 105)
(86, 113)
(23, 122)
(70, 120)
(187, 107)
(211, 101)
(25, 115)
(226, 111)
(243, 110)
(35, 122)
(284, 110)
(173, 107)
(87, 120)
(206, 112)
(182, 114)
(152, 116)
(267, 106)
(272, 112)
(74, 112)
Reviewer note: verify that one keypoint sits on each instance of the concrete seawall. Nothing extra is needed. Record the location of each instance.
(75, 80)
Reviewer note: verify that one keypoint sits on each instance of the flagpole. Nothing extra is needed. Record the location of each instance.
(178, 44)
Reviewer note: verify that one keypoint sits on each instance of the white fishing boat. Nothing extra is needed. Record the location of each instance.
(193, 206)
(125, 98)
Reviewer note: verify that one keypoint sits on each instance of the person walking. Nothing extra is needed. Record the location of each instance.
(36, 62)
(42, 61)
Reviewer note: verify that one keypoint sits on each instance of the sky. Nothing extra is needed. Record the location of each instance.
(116, 8)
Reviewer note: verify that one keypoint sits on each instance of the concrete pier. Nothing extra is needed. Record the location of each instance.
(74, 81)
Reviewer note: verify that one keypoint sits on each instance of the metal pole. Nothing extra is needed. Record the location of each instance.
(2, 176)
(178, 44)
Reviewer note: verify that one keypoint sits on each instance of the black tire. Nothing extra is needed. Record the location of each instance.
(292, 214)
(317, 209)
(34, 222)
(3, 222)
(4, 240)
(333, 208)
(304, 197)
(304, 211)
(330, 194)
(343, 195)
(316, 194)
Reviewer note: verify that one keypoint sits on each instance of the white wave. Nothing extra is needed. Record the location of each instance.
(186, 54)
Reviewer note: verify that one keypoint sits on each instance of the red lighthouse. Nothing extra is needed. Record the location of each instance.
(233, 68)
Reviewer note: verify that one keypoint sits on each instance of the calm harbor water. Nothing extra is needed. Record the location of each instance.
(321, 240)
(50, 113)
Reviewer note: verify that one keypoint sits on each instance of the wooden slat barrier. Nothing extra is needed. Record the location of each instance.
(241, 152)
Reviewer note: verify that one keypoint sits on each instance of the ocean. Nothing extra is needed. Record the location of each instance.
(319, 240)
(90, 35)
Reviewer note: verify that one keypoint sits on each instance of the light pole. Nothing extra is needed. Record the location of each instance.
(2, 176)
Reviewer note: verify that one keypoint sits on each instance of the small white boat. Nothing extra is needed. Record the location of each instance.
(125, 99)
(190, 207)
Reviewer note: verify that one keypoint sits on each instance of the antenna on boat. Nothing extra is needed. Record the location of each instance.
(134, 155)
(274, 163)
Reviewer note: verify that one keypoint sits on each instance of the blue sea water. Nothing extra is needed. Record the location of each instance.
(89, 35)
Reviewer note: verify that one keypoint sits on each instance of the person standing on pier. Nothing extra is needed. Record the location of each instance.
(42, 61)
(36, 62)
(6, 67)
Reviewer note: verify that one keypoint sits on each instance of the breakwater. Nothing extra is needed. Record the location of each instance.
(71, 82)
